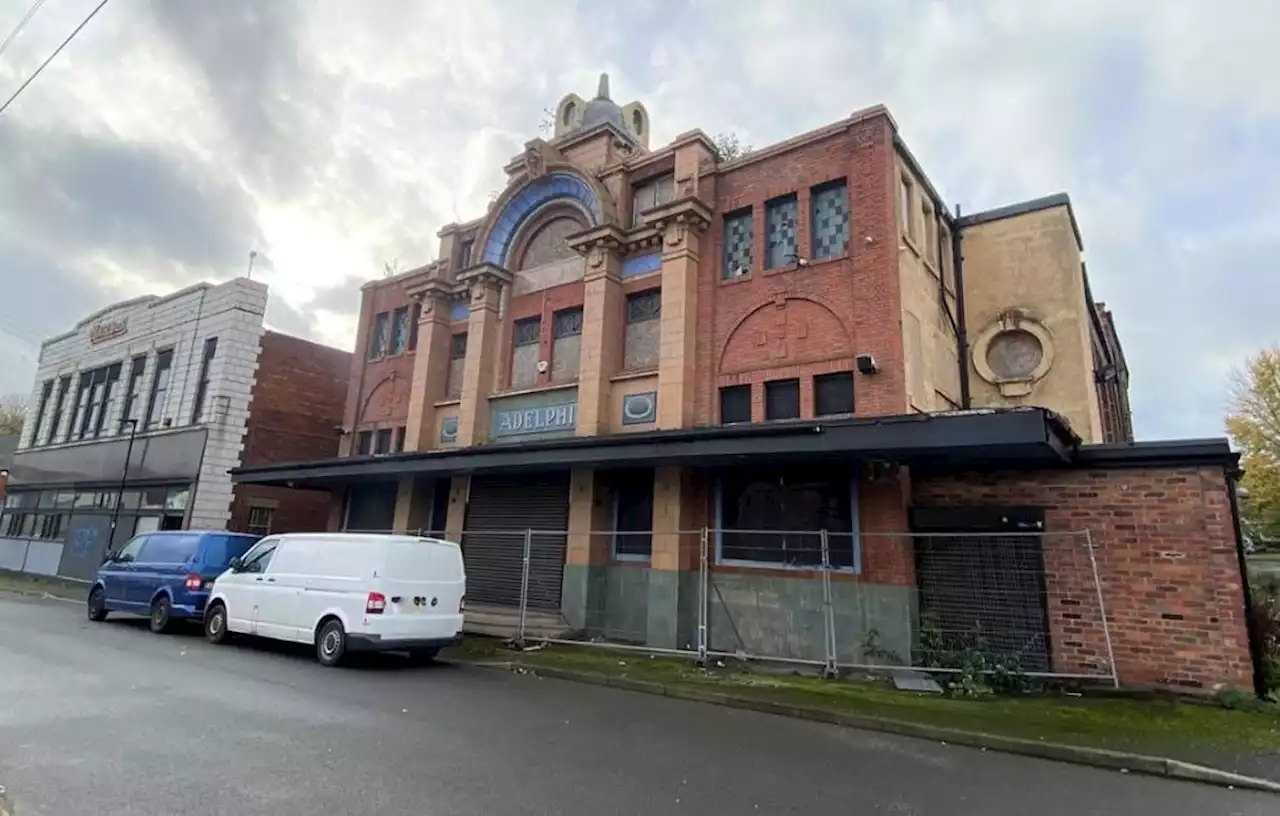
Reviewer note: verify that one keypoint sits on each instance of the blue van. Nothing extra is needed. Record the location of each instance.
(164, 575)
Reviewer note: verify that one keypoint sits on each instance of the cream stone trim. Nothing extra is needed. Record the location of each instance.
(1009, 321)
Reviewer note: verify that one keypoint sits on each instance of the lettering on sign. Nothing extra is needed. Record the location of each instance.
(547, 418)
(108, 329)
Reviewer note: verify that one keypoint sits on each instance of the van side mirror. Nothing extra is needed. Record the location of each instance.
(236, 564)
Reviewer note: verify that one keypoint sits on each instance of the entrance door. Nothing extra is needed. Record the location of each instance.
(982, 582)
(499, 510)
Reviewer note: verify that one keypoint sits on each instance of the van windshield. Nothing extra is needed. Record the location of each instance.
(220, 549)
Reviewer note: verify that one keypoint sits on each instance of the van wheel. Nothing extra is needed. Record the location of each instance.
(331, 643)
(215, 623)
(97, 606)
(161, 608)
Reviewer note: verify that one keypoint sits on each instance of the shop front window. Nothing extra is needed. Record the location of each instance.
(776, 518)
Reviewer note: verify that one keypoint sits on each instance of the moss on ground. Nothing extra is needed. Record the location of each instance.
(1184, 729)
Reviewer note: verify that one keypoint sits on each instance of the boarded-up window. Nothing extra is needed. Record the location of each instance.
(457, 362)
(917, 365)
(566, 344)
(651, 194)
(524, 356)
(643, 330)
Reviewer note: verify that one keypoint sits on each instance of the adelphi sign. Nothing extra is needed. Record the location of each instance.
(108, 329)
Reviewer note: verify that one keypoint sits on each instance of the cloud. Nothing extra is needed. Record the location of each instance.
(172, 138)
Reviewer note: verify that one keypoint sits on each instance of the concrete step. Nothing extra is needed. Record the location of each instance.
(504, 622)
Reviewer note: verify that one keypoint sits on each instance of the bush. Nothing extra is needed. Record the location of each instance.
(1266, 620)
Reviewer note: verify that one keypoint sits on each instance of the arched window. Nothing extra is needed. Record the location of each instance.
(549, 243)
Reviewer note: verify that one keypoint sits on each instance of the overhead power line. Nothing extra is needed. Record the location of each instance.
(55, 53)
(26, 18)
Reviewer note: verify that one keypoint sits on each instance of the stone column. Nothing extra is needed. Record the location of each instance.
(673, 591)
(601, 355)
(588, 553)
(485, 284)
(430, 364)
(455, 519)
(413, 504)
(681, 223)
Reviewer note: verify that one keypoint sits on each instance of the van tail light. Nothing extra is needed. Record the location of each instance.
(376, 605)
(194, 582)
(462, 604)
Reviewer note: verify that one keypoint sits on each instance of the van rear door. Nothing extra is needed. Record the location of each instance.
(424, 583)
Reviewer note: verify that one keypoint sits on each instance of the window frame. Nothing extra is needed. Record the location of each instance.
(748, 215)
(379, 337)
(815, 194)
(251, 528)
(363, 437)
(202, 386)
(164, 365)
(617, 513)
(654, 186)
(770, 207)
(831, 376)
(855, 524)
(906, 207)
(741, 388)
(59, 403)
(628, 319)
(137, 370)
(46, 392)
(775, 385)
(379, 435)
(399, 336)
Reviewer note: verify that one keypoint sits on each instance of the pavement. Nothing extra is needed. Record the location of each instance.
(110, 719)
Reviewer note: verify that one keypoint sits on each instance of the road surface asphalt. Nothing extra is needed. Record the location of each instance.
(111, 719)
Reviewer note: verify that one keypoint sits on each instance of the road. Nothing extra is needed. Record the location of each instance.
(110, 719)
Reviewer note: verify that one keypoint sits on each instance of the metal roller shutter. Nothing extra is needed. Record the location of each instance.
(499, 510)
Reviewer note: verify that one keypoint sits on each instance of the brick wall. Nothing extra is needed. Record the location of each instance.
(1166, 558)
(788, 323)
(380, 389)
(294, 415)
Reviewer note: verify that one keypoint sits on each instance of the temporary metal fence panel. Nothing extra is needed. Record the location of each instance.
(992, 604)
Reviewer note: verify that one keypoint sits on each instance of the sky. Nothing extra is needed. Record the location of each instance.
(173, 137)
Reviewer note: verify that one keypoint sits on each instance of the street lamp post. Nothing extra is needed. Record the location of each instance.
(124, 477)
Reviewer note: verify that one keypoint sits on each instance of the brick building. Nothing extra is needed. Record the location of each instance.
(651, 341)
(139, 414)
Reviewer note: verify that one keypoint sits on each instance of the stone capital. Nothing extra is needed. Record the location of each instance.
(484, 274)
(432, 293)
(677, 219)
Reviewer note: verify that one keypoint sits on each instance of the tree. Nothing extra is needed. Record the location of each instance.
(728, 147)
(13, 412)
(1253, 421)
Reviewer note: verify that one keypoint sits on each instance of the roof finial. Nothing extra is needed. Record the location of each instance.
(603, 91)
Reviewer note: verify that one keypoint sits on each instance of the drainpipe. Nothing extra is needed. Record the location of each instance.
(1255, 637)
(962, 332)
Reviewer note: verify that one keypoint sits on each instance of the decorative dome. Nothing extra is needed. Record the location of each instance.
(603, 109)
(574, 115)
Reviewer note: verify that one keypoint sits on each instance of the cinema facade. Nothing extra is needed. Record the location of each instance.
(637, 344)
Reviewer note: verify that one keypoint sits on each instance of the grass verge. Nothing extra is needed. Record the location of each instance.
(1246, 742)
(27, 584)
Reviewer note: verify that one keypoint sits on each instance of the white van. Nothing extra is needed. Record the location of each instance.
(343, 592)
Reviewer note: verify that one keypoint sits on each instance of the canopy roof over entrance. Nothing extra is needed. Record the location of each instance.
(981, 439)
